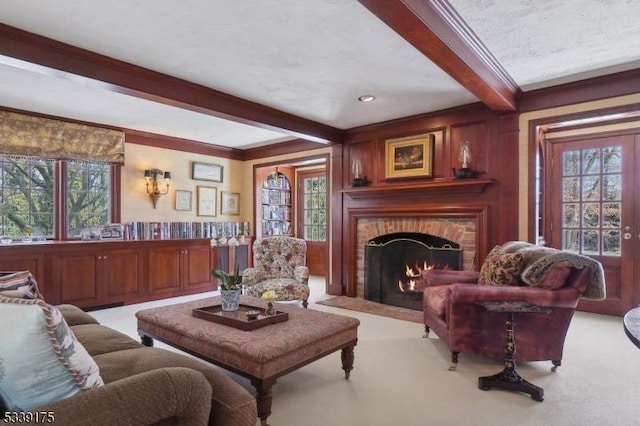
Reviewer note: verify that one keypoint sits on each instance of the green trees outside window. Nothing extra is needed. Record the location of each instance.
(34, 191)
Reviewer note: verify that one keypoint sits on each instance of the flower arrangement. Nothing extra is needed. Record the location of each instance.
(269, 296)
(228, 281)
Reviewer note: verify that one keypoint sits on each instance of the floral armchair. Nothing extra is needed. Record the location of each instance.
(279, 265)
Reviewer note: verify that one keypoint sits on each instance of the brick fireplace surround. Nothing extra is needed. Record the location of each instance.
(462, 230)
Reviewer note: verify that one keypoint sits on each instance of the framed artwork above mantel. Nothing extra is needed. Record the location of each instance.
(410, 156)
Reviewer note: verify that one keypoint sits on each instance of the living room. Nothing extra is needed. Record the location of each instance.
(501, 201)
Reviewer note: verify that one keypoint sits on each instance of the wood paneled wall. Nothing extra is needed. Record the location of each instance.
(494, 146)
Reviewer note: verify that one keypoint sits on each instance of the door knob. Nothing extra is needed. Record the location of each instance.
(627, 236)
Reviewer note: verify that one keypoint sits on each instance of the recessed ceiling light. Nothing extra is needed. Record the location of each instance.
(367, 98)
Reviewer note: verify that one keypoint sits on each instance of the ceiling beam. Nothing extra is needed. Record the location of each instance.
(35, 53)
(435, 29)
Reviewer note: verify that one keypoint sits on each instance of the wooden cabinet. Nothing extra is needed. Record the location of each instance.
(275, 202)
(86, 278)
(93, 274)
(180, 268)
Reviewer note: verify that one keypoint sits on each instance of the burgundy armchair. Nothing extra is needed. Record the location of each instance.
(515, 271)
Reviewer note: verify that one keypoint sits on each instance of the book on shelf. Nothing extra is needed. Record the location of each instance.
(138, 230)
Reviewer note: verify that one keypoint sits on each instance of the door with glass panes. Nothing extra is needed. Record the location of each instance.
(312, 217)
(591, 202)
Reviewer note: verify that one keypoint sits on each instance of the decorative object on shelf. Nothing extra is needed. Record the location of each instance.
(269, 296)
(464, 156)
(157, 184)
(358, 178)
(183, 200)
(207, 197)
(410, 156)
(230, 287)
(205, 171)
(90, 235)
(229, 203)
(112, 231)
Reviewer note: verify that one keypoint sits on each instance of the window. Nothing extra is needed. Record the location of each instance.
(30, 202)
(315, 208)
(592, 201)
(88, 196)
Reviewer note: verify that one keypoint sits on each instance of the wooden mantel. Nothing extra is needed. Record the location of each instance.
(451, 186)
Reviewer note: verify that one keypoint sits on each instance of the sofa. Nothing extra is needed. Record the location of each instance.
(121, 381)
(515, 271)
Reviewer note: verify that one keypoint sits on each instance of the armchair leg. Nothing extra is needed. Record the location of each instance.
(556, 363)
(454, 361)
(305, 303)
(426, 332)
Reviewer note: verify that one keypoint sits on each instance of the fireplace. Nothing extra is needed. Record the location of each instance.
(393, 263)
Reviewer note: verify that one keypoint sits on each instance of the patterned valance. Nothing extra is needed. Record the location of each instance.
(25, 135)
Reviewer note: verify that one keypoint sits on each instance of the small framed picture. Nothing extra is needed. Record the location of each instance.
(409, 157)
(229, 203)
(183, 200)
(91, 235)
(207, 197)
(206, 171)
(112, 231)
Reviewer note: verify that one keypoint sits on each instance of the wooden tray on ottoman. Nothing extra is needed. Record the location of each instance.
(239, 319)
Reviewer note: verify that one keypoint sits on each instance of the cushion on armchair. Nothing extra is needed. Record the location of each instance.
(501, 268)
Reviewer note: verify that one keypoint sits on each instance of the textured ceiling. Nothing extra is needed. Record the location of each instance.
(311, 59)
(541, 43)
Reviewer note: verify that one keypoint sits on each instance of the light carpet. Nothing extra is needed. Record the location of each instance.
(400, 378)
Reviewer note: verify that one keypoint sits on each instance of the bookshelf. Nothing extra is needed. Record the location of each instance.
(275, 209)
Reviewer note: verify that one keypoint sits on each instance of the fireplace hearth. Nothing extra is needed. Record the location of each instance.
(393, 263)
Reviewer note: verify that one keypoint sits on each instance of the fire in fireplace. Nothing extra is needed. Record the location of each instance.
(393, 263)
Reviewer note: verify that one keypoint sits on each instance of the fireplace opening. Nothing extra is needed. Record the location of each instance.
(393, 263)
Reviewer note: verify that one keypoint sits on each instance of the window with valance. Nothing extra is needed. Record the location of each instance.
(56, 178)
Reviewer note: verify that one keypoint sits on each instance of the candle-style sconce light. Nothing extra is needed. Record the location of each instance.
(157, 184)
(464, 156)
(358, 177)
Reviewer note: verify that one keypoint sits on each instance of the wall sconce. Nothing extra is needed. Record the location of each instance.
(358, 178)
(153, 185)
(464, 156)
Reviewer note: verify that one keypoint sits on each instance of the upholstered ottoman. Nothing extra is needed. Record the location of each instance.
(263, 354)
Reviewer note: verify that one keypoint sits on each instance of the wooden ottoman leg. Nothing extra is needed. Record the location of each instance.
(264, 398)
(146, 340)
(347, 360)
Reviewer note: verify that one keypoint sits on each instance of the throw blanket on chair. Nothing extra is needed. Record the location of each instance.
(537, 261)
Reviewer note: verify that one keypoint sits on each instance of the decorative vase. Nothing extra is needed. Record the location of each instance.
(270, 310)
(230, 299)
